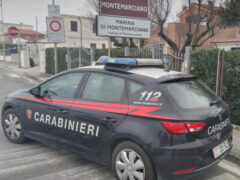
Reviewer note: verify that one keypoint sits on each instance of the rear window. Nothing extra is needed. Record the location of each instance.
(191, 94)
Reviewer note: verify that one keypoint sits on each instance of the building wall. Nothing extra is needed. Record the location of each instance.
(227, 46)
(88, 35)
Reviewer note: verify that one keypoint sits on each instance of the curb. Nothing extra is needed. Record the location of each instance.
(32, 78)
(236, 126)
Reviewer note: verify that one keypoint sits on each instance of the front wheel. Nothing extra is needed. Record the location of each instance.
(130, 162)
(12, 127)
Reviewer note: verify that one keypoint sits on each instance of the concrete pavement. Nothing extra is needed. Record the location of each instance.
(38, 162)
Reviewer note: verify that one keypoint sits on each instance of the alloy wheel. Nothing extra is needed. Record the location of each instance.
(12, 126)
(129, 165)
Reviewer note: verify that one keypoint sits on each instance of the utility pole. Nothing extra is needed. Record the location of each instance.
(37, 38)
(3, 39)
(55, 52)
(80, 47)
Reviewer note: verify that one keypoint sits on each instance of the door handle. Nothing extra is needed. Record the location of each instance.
(58, 110)
(110, 120)
(62, 111)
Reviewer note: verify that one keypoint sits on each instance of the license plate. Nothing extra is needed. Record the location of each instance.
(220, 149)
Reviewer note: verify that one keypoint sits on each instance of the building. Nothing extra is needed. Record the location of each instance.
(81, 31)
(25, 35)
(228, 39)
(5, 26)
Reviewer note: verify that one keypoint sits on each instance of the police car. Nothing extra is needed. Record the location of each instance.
(132, 115)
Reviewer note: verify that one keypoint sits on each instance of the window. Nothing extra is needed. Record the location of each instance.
(191, 94)
(134, 87)
(101, 87)
(93, 45)
(63, 86)
(74, 26)
(103, 46)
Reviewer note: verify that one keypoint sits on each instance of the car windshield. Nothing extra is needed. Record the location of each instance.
(192, 94)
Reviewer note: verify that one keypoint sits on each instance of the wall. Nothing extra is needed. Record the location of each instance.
(227, 46)
(88, 36)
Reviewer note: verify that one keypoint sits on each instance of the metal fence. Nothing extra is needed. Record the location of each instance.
(78, 57)
(84, 57)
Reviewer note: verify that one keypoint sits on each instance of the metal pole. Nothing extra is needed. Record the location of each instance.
(3, 44)
(80, 47)
(55, 58)
(55, 52)
(19, 50)
(109, 47)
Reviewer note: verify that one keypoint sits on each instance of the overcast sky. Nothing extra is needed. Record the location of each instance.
(25, 11)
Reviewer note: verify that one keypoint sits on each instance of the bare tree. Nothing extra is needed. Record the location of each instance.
(195, 34)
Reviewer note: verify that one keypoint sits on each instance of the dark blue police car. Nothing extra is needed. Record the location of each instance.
(132, 115)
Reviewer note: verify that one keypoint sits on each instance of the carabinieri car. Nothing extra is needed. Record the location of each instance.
(132, 115)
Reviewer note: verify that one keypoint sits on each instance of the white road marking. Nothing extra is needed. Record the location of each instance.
(12, 75)
(229, 166)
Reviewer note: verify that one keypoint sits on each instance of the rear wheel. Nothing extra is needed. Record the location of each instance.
(130, 162)
(12, 127)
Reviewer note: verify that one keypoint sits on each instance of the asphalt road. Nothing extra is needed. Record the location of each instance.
(35, 161)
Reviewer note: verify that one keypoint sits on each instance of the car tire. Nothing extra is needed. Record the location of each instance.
(129, 159)
(13, 127)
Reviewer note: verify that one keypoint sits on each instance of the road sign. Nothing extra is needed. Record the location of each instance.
(13, 31)
(127, 8)
(55, 29)
(53, 10)
(123, 27)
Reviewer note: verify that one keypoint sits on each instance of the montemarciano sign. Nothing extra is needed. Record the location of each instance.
(129, 8)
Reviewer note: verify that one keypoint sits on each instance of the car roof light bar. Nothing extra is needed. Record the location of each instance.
(133, 61)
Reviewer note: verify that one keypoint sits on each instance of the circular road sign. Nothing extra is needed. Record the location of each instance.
(55, 26)
(13, 31)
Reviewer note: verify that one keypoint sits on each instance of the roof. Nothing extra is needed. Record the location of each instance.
(151, 72)
(225, 40)
(30, 32)
(204, 6)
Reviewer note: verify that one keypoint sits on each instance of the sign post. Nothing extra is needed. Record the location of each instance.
(55, 29)
(124, 19)
(15, 33)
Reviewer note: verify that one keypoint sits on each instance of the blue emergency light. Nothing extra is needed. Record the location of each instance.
(133, 62)
(124, 61)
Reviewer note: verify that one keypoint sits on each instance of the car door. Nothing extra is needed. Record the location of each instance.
(50, 111)
(99, 108)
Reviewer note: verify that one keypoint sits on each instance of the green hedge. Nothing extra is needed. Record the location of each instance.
(62, 64)
(115, 52)
(205, 67)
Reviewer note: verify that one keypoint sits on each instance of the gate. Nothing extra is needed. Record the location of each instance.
(78, 57)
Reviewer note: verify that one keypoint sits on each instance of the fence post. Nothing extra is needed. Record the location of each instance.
(187, 60)
(126, 51)
(92, 54)
(220, 68)
(153, 53)
(68, 59)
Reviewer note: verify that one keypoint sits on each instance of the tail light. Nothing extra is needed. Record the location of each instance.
(183, 128)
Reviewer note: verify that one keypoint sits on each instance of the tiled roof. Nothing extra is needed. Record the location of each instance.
(29, 32)
(225, 40)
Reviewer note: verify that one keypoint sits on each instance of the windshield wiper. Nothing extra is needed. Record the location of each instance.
(214, 102)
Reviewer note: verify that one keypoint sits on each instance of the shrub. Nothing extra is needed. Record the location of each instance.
(205, 67)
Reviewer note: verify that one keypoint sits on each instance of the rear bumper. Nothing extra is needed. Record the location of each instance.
(195, 157)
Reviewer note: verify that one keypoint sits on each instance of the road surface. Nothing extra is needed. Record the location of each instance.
(34, 161)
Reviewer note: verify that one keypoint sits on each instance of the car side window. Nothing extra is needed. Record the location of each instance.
(134, 87)
(102, 87)
(63, 86)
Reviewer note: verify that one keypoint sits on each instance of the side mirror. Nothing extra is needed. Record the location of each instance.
(36, 91)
